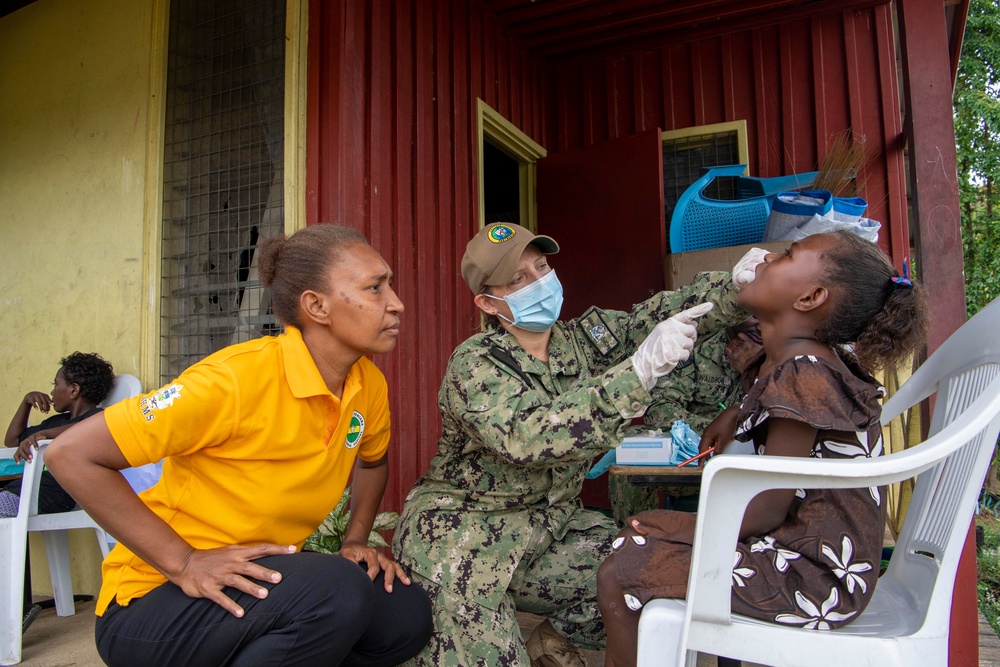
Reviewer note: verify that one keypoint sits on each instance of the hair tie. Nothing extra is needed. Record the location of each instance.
(905, 278)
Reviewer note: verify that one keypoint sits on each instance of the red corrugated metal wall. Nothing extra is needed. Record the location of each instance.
(797, 84)
(392, 88)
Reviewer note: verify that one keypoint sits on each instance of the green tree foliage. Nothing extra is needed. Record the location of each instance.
(977, 134)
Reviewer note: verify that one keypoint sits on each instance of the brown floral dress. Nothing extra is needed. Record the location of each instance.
(818, 569)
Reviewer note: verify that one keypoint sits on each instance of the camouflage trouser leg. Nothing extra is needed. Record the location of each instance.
(557, 579)
(560, 582)
(630, 499)
(469, 635)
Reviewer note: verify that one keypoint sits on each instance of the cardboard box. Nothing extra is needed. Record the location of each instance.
(645, 450)
(681, 268)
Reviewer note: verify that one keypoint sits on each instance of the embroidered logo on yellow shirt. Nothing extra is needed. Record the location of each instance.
(355, 430)
(160, 399)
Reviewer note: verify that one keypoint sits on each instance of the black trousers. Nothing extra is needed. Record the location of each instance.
(325, 611)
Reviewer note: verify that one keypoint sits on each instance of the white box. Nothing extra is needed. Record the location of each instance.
(645, 450)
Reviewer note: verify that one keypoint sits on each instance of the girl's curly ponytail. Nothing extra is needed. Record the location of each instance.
(882, 314)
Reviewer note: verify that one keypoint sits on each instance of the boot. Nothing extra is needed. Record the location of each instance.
(547, 648)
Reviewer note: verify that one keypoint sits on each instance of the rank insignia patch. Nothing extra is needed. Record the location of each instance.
(598, 332)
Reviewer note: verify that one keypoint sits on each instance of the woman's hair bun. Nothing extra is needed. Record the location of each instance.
(268, 255)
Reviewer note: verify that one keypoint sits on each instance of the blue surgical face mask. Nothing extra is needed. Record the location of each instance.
(535, 307)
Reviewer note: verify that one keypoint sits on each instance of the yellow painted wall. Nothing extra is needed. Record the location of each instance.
(74, 103)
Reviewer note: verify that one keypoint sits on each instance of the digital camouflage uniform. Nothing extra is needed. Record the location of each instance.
(693, 392)
(496, 525)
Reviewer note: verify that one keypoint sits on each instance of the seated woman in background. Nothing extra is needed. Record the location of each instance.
(82, 381)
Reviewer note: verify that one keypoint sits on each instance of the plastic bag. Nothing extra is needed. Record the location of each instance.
(866, 228)
(685, 440)
(602, 465)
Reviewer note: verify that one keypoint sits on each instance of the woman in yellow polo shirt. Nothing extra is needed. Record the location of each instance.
(258, 441)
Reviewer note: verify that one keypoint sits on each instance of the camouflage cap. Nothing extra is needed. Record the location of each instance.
(492, 255)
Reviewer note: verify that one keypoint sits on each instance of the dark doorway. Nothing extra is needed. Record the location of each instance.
(501, 185)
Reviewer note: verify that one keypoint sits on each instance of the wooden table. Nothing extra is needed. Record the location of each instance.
(689, 475)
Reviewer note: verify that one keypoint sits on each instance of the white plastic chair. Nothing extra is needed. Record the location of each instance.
(13, 542)
(908, 619)
(14, 536)
(126, 386)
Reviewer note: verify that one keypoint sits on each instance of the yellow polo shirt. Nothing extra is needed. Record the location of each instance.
(255, 447)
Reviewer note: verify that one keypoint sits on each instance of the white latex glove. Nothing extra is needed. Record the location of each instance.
(746, 269)
(668, 344)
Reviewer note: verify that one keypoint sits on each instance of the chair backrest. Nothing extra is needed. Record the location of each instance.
(145, 476)
(31, 479)
(927, 551)
(126, 386)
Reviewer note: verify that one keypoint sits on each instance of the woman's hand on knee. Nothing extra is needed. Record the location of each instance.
(374, 562)
(207, 571)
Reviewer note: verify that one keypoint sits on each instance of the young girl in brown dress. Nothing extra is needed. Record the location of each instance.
(831, 310)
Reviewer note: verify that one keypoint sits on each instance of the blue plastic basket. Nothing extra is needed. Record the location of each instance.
(854, 207)
(699, 223)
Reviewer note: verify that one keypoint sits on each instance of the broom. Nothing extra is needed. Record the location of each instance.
(842, 164)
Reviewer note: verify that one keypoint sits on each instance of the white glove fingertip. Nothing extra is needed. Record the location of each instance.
(701, 309)
(693, 313)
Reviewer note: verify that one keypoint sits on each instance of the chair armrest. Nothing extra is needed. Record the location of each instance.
(911, 393)
(8, 452)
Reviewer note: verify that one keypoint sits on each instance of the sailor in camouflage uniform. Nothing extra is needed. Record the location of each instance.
(495, 525)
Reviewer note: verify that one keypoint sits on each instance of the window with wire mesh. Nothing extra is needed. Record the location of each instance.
(684, 159)
(223, 173)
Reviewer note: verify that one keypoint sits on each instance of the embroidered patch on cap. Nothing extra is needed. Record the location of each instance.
(598, 332)
(159, 400)
(355, 430)
(501, 233)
